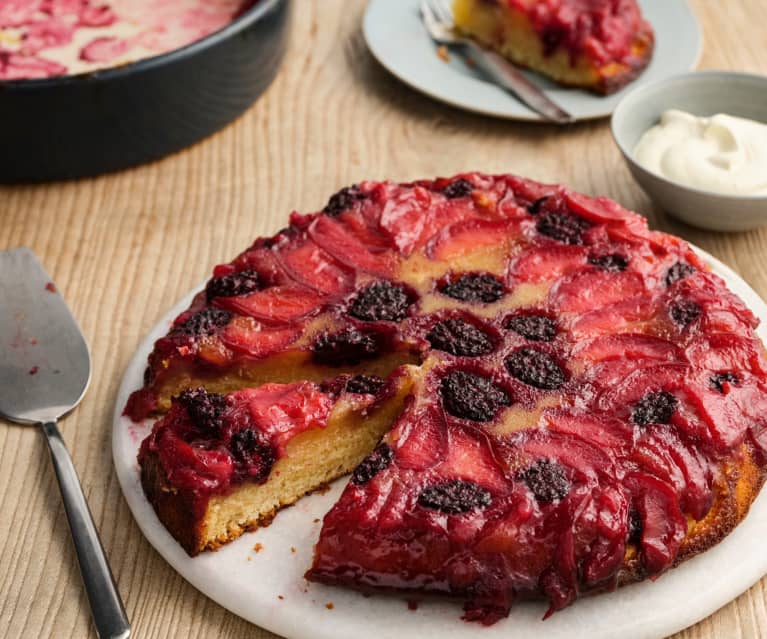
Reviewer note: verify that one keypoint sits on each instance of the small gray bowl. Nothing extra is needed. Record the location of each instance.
(703, 93)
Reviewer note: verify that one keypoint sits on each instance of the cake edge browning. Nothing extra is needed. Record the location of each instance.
(735, 495)
(614, 76)
(642, 49)
(174, 509)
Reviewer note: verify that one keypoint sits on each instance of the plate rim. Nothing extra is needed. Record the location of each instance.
(526, 115)
(197, 571)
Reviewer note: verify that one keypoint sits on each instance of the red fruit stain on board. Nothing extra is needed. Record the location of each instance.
(51, 287)
(34, 370)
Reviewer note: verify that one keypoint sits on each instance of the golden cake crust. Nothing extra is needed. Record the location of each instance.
(736, 491)
(176, 511)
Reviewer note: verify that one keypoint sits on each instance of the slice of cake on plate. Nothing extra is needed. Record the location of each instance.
(600, 45)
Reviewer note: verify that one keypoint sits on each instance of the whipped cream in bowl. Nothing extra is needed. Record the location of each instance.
(721, 153)
(697, 145)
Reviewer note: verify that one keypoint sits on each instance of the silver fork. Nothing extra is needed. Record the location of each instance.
(438, 20)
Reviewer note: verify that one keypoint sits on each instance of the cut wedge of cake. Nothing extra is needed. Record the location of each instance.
(600, 45)
(567, 401)
(218, 465)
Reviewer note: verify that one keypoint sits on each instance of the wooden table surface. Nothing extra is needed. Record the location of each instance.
(123, 248)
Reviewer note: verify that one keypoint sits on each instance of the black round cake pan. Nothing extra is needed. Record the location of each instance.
(88, 124)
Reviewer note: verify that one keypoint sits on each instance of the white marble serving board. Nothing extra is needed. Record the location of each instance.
(268, 589)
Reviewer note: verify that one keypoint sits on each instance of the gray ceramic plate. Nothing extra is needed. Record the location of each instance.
(396, 37)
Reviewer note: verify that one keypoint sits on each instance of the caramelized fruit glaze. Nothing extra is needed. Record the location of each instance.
(602, 30)
(588, 395)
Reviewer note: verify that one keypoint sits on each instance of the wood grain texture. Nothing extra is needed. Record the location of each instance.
(124, 247)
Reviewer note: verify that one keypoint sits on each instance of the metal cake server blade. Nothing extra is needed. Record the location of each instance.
(45, 369)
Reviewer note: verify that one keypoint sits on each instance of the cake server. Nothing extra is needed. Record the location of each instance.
(438, 20)
(45, 369)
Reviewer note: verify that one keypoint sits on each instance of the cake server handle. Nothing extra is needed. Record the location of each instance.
(514, 81)
(106, 606)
